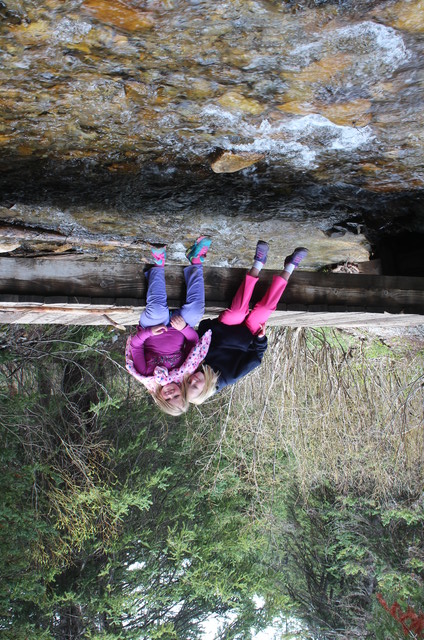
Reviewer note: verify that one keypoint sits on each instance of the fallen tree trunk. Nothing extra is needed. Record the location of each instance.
(75, 289)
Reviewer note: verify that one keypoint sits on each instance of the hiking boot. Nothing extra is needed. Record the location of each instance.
(159, 255)
(296, 257)
(197, 252)
(261, 253)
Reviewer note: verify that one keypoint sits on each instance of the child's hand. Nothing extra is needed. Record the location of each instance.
(158, 328)
(262, 330)
(178, 322)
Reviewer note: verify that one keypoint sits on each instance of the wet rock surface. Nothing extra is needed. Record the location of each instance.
(113, 116)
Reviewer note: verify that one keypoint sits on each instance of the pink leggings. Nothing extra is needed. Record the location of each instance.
(238, 313)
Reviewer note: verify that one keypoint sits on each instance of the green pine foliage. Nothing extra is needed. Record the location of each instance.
(108, 531)
(117, 522)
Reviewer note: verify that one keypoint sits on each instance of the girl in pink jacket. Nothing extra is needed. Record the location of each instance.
(166, 347)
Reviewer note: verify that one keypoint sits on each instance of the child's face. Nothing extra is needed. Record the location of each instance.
(172, 394)
(195, 385)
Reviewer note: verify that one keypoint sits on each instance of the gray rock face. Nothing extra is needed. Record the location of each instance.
(114, 114)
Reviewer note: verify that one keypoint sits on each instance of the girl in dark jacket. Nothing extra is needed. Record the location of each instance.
(238, 335)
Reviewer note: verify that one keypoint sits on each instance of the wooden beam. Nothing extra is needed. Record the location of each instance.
(121, 317)
(62, 288)
(21, 234)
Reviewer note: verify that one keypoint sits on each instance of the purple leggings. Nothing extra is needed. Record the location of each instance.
(238, 313)
(157, 311)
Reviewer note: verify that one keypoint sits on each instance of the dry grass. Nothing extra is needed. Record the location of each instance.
(344, 410)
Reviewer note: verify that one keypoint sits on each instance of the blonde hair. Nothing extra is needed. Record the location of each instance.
(211, 379)
(167, 407)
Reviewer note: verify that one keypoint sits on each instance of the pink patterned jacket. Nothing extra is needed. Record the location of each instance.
(161, 375)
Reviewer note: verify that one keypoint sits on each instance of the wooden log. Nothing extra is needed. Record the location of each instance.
(121, 317)
(113, 285)
(20, 232)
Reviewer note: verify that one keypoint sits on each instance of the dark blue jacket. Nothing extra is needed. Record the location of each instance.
(233, 352)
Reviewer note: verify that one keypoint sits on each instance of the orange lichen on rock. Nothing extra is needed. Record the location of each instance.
(123, 167)
(235, 101)
(136, 91)
(354, 113)
(229, 162)
(117, 14)
(369, 167)
(298, 107)
(24, 150)
(394, 187)
(322, 70)
(31, 34)
(409, 16)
